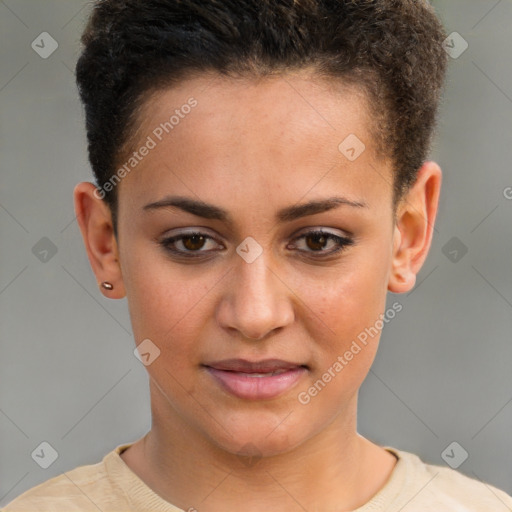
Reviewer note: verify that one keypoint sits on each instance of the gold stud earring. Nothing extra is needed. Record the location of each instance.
(107, 285)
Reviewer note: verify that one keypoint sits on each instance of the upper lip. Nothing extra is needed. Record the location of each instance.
(245, 366)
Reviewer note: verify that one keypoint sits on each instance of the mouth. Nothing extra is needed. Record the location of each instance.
(256, 380)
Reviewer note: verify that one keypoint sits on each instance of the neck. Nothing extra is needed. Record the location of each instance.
(335, 469)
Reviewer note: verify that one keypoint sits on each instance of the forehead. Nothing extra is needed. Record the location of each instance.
(284, 133)
(295, 104)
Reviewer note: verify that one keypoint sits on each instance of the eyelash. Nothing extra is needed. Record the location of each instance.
(343, 243)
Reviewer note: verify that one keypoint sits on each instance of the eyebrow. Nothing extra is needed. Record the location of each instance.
(210, 211)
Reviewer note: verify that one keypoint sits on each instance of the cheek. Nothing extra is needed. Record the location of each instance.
(348, 308)
(353, 295)
(164, 299)
(168, 307)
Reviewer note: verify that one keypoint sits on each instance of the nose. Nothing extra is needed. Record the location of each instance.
(257, 301)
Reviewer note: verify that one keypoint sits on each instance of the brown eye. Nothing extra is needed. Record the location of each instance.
(193, 242)
(316, 241)
(319, 241)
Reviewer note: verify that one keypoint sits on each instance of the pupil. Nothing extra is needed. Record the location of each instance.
(195, 239)
(316, 246)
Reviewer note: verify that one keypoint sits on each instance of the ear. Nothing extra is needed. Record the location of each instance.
(414, 226)
(95, 221)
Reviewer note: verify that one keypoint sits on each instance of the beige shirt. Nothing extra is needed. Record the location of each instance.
(111, 486)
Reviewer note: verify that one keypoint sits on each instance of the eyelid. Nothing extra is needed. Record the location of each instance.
(342, 233)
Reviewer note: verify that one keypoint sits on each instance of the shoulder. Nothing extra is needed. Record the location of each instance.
(85, 488)
(435, 487)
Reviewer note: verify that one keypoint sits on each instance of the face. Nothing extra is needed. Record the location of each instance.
(221, 260)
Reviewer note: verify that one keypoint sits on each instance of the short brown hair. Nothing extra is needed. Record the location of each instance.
(391, 48)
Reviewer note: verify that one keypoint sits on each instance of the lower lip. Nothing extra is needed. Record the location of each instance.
(257, 388)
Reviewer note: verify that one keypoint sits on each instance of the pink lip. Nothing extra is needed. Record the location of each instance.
(234, 375)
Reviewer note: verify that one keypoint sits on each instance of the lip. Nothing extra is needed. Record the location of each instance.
(245, 379)
(244, 365)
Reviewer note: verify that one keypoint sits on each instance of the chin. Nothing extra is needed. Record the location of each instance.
(255, 439)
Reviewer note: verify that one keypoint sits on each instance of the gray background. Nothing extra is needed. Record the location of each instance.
(68, 374)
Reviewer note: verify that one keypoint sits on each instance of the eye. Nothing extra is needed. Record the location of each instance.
(316, 241)
(191, 243)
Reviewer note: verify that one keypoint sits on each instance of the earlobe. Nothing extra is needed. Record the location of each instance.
(95, 222)
(414, 228)
(401, 278)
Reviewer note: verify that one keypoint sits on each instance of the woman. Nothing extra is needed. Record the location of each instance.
(261, 183)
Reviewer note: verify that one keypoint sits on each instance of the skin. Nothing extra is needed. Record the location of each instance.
(253, 147)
